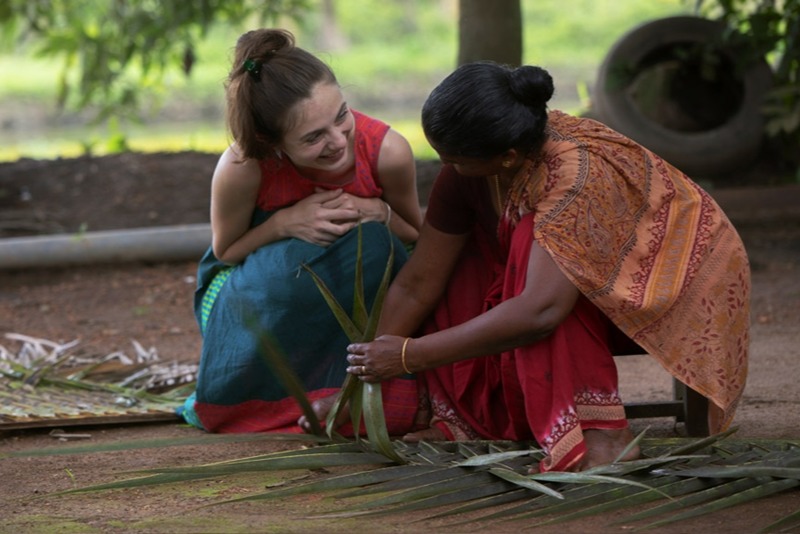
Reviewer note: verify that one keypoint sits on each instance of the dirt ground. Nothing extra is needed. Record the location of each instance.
(108, 306)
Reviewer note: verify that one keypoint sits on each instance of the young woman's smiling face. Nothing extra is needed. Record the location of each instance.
(319, 140)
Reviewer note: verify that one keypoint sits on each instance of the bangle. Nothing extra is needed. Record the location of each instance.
(403, 356)
(388, 214)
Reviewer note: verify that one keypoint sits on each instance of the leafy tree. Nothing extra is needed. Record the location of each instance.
(113, 51)
(770, 28)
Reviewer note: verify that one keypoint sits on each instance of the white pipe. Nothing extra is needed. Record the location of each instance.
(161, 243)
(189, 242)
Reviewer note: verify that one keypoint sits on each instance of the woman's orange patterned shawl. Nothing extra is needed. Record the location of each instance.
(648, 247)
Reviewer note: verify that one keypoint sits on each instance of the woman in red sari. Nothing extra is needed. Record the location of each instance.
(544, 234)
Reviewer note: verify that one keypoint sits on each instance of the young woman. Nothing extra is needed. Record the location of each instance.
(303, 171)
(546, 236)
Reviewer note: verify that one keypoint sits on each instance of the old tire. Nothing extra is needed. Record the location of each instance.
(728, 138)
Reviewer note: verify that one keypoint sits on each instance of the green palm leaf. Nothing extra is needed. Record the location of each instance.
(375, 422)
(362, 398)
(380, 295)
(454, 478)
(789, 523)
(764, 489)
(349, 393)
(488, 459)
(360, 313)
(692, 499)
(351, 330)
(525, 482)
(583, 478)
(341, 482)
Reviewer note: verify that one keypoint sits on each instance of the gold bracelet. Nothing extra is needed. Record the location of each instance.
(403, 356)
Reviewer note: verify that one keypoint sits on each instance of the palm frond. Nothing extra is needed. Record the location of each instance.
(450, 479)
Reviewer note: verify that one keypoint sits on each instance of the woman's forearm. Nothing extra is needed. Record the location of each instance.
(509, 325)
(402, 229)
(265, 233)
(405, 308)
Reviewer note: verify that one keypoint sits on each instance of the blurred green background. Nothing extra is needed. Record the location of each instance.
(382, 70)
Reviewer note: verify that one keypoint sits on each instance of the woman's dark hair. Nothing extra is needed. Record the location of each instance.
(483, 109)
(268, 77)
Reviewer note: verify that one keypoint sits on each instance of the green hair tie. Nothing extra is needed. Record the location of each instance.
(253, 67)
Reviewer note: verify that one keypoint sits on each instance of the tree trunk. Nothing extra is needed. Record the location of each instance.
(330, 37)
(490, 30)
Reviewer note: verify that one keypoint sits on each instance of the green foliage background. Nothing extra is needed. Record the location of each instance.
(394, 54)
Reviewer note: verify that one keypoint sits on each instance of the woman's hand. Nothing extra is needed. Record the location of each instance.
(378, 360)
(368, 209)
(321, 218)
(326, 215)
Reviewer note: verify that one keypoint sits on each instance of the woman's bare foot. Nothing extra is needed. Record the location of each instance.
(604, 447)
(428, 434)
(321, 408)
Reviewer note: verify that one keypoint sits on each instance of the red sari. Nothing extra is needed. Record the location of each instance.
(548, 391)
(653, 256)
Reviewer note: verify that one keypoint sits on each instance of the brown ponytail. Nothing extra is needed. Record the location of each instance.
(269, 75)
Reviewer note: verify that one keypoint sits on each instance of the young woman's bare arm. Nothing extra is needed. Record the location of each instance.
(234, 191)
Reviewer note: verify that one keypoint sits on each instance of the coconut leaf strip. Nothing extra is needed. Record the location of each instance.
(360, 315)
(424, 478)
(760, 491)
(790, 523)
(634, 466)
(375, 422)
(693, 499)
(577, 496)
(342, 482)
(436, 456)
(349, 387)
(500, 499)
(311, 461)
(348, 446)
(698, 445)
(352, 332)
(380, 295)
(488, 459)
(582, 478)
(736, 471)
(206, 439)
(616, 499)
(276, 360)
(298, 454)
(525, 482)
(458, 496)
(153, 480)
(427, 490)
(356, 404)
(629, 447)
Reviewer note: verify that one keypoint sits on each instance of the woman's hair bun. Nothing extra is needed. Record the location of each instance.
(531, 85)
